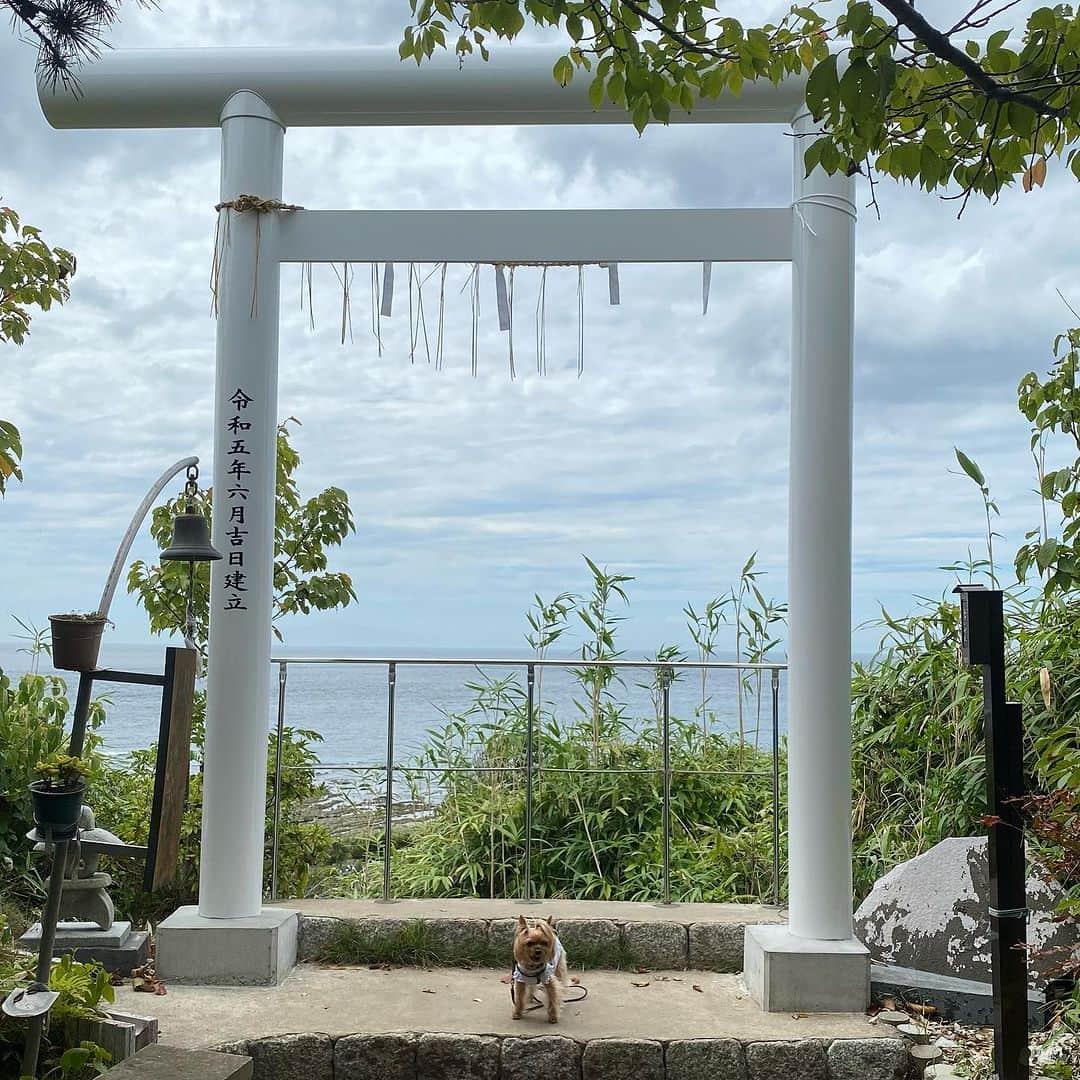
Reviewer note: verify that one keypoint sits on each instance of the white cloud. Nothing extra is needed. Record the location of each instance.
(667, 458)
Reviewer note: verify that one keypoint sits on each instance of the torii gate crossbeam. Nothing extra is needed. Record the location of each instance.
(814, 963)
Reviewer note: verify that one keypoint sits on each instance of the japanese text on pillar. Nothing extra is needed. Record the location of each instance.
(239, 472)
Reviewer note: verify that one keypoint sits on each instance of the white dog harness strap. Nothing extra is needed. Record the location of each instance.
(543, 975)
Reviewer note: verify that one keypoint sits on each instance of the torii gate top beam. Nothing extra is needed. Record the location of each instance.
(363, 87)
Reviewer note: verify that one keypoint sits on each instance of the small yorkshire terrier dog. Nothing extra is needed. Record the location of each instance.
(539, 960)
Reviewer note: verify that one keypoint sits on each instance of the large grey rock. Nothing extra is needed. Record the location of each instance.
(802, 1060)
(293, 1057)
(657, 944)
(596, 941)
(929, 913)
(390, 1056)
(705, 1059)
(237, 1046)
(457, 1057)
(622, 1059)
(868, 1059)
(716, 946)
(314, 933)
(546, 1057)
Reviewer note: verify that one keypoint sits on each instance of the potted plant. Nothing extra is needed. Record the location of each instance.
(58, 792)
(76, 640)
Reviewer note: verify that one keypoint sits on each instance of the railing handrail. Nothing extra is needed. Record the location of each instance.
(525, 661)
(530, 768)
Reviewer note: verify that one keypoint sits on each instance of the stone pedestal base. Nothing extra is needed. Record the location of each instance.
(256, 951)
(117, 949)
(785, 973)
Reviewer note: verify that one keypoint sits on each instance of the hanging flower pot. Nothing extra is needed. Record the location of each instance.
(56, 811)
(58, 793)
(76, 640)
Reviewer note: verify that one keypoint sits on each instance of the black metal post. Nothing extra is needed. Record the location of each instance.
(51, 913)
(81, 714)
(1008, 890)
(45, 950)
(983, 641)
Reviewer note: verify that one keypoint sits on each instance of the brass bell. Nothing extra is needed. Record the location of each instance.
(191, 539)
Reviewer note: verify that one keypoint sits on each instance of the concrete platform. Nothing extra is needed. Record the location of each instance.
(342, 1001)
(168, 1063)
(118, 949)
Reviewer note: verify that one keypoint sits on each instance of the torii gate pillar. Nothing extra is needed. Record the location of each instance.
(815, 964)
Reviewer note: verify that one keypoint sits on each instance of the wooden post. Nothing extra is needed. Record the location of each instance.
(173, 767)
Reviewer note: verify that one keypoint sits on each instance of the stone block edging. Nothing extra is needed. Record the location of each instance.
(441, 1056)
(599, 943)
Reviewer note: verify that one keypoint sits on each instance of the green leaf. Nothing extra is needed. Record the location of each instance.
(563, 70)
(1046, 554)
(970, 467)
(822, 87)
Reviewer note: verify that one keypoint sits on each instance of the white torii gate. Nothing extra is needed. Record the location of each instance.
(253, 95)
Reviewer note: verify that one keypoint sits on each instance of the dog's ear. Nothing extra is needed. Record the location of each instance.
(522, 924)
(550, 920)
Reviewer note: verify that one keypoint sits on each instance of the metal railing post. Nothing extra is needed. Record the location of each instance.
(391, 689)
(275, 847)
(530, 724)
(776, 786)
(666, 805)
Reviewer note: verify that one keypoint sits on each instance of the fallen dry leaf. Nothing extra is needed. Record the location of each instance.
(799, 1015)
(427, 991)
(633, 983)
(697, 988)
(921, 1010)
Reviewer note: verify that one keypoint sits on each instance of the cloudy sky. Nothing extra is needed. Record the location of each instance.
(667, 460)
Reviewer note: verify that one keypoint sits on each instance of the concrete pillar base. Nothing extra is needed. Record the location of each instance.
(255, 951)
(785, 973)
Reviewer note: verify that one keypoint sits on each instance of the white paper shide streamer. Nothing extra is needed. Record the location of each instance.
(432, 347)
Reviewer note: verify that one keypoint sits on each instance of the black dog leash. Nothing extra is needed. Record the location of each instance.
(566, 1001)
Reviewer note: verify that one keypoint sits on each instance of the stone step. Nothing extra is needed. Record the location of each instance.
(409, 1024)
(446, 1056)
(157, 1062)
(597, 934)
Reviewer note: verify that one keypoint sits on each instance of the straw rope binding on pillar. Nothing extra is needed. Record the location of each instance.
(242, 204)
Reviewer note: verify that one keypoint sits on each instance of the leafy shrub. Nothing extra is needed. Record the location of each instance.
(82, 989)
(124, 800)
(597, 806)
(33, 715)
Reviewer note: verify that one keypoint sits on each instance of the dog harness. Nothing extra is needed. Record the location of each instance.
(542, 975)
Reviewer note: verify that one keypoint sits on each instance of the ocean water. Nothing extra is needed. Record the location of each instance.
(347, 703)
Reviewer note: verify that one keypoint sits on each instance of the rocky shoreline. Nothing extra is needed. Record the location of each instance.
(344, 817)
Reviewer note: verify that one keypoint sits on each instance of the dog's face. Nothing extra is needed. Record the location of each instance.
(534, 943)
